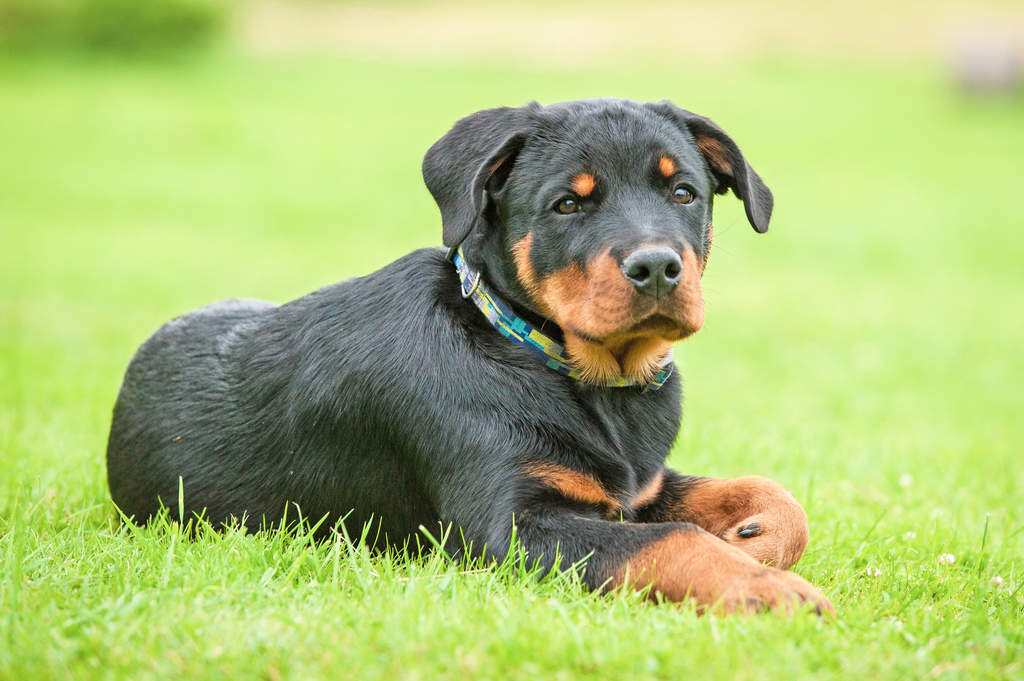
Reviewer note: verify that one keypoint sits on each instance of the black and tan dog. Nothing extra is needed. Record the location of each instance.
(523, 381)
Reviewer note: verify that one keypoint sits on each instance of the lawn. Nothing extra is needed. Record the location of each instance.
(866, 352)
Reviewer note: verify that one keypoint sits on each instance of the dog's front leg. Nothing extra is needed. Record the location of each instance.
(676, 560)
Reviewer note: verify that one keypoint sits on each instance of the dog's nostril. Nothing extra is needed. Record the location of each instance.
(673, 270)
(639, 273)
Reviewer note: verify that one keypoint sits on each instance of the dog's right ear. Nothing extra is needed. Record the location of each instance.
(474, 157)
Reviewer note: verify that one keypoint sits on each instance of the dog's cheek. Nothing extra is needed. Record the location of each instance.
(596, 301)
(709, 240)
(563, 295)
(688, 297)
(521, 253)
(610, 297)
(568, 296)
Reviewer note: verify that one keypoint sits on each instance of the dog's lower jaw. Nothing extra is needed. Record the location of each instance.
(594, 361)
(643, 358)
(638, 359)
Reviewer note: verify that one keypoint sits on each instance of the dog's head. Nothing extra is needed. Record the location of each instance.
(596, 215)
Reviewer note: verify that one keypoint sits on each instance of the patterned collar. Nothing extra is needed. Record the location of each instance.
(518, 330)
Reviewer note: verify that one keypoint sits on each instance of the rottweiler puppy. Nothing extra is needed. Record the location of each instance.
(519, 383)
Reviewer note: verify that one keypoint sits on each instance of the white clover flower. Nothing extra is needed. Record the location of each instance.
(997, 582)
(947, 559)
(910, 536)
(872, 572)
(906, 480)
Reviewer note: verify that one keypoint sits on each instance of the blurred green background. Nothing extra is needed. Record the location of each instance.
(866, 351)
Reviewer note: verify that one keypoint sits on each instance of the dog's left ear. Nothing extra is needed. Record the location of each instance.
(726, 162)
(474, 157)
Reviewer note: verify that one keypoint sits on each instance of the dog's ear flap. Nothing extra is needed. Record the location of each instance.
(474, 156)
(726, 162)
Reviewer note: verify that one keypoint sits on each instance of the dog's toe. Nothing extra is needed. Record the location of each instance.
(749, 530)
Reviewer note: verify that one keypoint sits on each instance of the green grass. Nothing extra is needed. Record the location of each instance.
(866, 352)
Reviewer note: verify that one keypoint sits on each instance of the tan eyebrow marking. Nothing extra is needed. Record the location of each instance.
(667, 166)
(583, 184)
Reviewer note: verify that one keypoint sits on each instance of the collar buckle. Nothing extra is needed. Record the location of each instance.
(472, 289)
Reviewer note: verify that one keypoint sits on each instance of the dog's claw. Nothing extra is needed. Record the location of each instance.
(751, 530)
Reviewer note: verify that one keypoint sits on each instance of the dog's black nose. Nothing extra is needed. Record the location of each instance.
(654, 271)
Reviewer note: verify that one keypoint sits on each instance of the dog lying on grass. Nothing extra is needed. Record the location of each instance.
(519, 382)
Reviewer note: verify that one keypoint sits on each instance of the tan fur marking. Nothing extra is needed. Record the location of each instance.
(648, 492)
(597, 302)
(723, 507)
(688, 295)
(715, 153)
(595, 362)
(563, 292)
(695, 564)
(685, 564)
(644, 355)
(521, 252)
(583, 184)
(667, 166)
(571, 484)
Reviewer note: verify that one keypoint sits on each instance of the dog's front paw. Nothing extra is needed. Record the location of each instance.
(775, 537)
(770, 588)
(695, 564)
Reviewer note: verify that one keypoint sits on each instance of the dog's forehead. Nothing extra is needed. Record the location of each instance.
(606, 134)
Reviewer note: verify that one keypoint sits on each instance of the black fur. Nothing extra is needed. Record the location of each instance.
(391, 398)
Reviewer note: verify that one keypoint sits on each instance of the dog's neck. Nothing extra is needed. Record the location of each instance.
(529, 334)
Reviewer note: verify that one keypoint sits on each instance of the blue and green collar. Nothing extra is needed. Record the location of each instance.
(518, 330)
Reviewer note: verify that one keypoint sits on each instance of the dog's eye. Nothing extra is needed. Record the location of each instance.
(567, 205)
(683, 194)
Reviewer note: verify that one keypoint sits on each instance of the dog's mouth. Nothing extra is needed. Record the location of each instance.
(656, 325)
